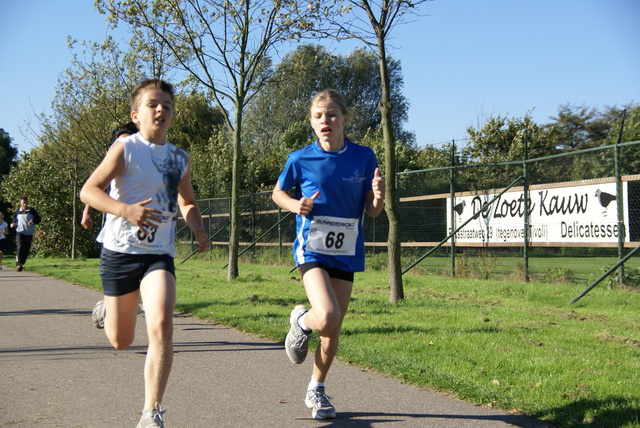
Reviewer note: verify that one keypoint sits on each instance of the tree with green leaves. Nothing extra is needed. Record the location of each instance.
(47, 181)
(372, 22)
(198, 127)
(223, 47)
(583, 128)
(92, 99)
(211, 165)
(630, 132)
(626, 119)
(310, 68)
(504, 139)
(282, 105)
(579, 127)
(8, 155)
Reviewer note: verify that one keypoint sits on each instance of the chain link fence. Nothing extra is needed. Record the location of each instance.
(577, 212)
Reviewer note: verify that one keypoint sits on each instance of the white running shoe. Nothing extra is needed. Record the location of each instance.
(98, 314)
(152, 418)
(297, 342)
(317, 400)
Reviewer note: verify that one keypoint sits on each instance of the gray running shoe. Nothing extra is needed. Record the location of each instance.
(297, 342)
(317, 400)
(153, 418)
(98, 314)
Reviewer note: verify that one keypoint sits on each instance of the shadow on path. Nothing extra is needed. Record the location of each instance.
(368, 419)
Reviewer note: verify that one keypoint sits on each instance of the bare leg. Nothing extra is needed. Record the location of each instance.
(329, 300)
(158, 290)
(120, 319)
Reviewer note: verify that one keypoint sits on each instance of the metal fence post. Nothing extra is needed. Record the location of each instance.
(525, 189)
(253, 221)
(619, 199)
(452, 189)
(279, 232)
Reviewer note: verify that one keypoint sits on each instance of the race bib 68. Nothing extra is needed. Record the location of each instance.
(333, 236)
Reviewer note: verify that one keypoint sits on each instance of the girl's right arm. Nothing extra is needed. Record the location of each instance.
(284, 201)
(93, 193)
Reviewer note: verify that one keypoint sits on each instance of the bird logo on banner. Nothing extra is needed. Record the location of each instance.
(605, 199)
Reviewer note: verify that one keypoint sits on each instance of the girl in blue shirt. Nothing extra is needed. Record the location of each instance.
(335, 182)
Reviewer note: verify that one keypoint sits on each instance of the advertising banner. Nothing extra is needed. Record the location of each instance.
(560, 215)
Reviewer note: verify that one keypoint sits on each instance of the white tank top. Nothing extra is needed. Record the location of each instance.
(151, 171)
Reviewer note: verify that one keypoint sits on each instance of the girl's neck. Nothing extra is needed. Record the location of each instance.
(331, 146)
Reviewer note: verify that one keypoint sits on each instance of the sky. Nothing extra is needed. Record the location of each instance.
(463, 61)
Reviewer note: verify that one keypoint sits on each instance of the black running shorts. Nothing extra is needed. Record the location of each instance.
(333, 272)
(122, 273)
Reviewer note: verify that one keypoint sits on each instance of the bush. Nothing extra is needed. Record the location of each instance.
(377, 262)
(631, 278)
(558, 275)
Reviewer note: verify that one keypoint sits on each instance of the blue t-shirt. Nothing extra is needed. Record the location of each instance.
(332, 233)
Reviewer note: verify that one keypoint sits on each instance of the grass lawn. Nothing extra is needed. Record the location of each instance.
(577, 270)
(515, 346)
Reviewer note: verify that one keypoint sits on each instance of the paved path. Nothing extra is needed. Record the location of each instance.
(57, 370)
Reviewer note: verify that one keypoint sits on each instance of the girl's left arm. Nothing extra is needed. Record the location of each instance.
(375, 197)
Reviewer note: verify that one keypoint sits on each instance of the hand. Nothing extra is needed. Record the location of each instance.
(87, 221)
(377, 185)
(203, 240)
(305, 205)
(141, 216)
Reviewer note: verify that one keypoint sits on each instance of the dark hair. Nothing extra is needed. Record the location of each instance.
(128, 128)
(149, 84)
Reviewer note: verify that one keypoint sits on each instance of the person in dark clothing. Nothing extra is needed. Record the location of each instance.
(25, 219)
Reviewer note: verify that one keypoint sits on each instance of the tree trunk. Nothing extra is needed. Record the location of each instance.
(234, 233)
(396, 291)
(73, 214)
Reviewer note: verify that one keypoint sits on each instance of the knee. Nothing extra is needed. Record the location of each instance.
(328, 320)
(121, 346)
(121, 342)
(161, 328)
